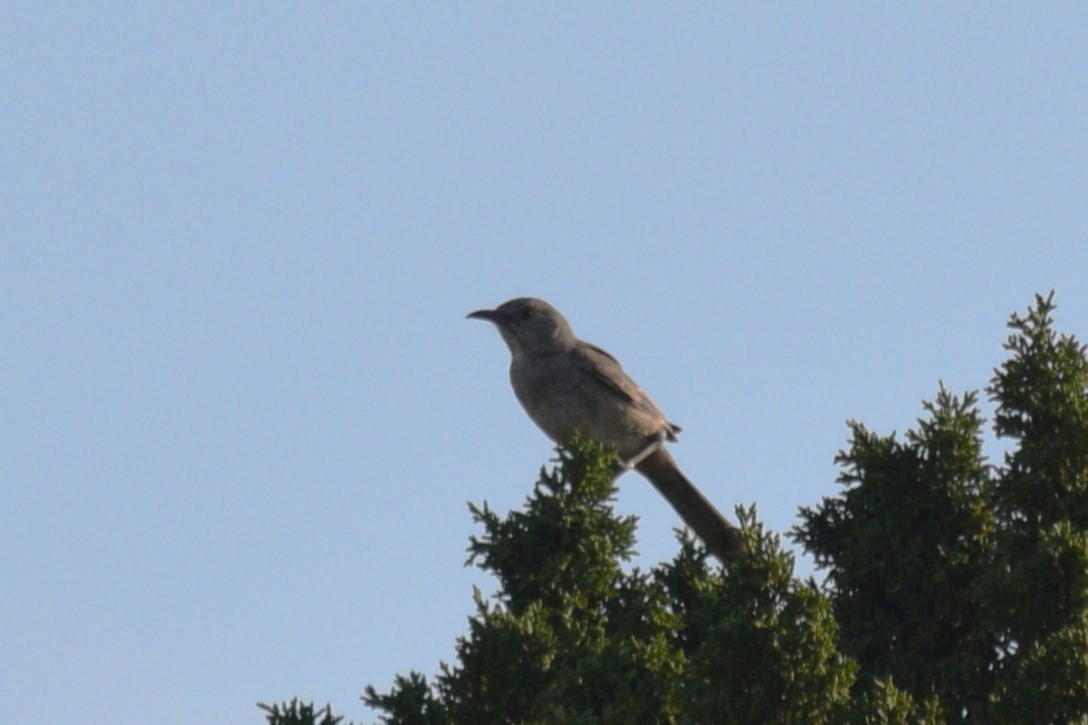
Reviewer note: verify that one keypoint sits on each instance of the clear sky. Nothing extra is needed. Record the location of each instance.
(242, 411)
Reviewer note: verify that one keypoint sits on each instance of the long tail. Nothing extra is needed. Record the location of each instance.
(722, 538)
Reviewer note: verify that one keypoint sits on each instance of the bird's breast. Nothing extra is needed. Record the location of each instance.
(562, 398)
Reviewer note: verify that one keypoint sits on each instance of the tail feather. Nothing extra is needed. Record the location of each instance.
(721, 537)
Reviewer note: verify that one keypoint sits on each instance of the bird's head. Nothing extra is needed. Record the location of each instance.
(528, 325)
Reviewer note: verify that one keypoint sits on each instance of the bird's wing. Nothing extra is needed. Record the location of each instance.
(602, 367)
(605, 369)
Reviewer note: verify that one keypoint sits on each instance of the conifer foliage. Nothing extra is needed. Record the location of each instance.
(953, 588)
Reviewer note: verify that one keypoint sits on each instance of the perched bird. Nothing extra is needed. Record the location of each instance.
(567, 385)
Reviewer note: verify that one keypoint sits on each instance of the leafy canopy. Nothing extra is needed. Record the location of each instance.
(954, 588)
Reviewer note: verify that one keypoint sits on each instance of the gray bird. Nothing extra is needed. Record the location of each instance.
(567, 385)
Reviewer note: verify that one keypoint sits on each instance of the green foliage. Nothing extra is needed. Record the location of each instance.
(902, 544)
(572, 637)
(760, 645)
(299, 713)
(1051, 680)
(1041, 394)
(884, 704)
(410, 702)
(962, 581)
(569, 637)
(955, 589)
(1036, 593)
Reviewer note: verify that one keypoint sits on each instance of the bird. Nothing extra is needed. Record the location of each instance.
(568, 386)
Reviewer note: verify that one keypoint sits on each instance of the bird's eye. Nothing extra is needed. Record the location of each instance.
(527, 313)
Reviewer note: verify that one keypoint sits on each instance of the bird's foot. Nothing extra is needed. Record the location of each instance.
(623, 466)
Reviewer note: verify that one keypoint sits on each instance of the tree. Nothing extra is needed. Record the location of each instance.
(902, 545)
(963, 580)
(1036, 595)
(954, 589)
(299, 713)
(572, 637)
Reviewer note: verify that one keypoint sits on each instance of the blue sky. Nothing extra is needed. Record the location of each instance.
(243, 411)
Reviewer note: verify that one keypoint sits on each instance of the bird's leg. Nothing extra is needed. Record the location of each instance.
(651, 445)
